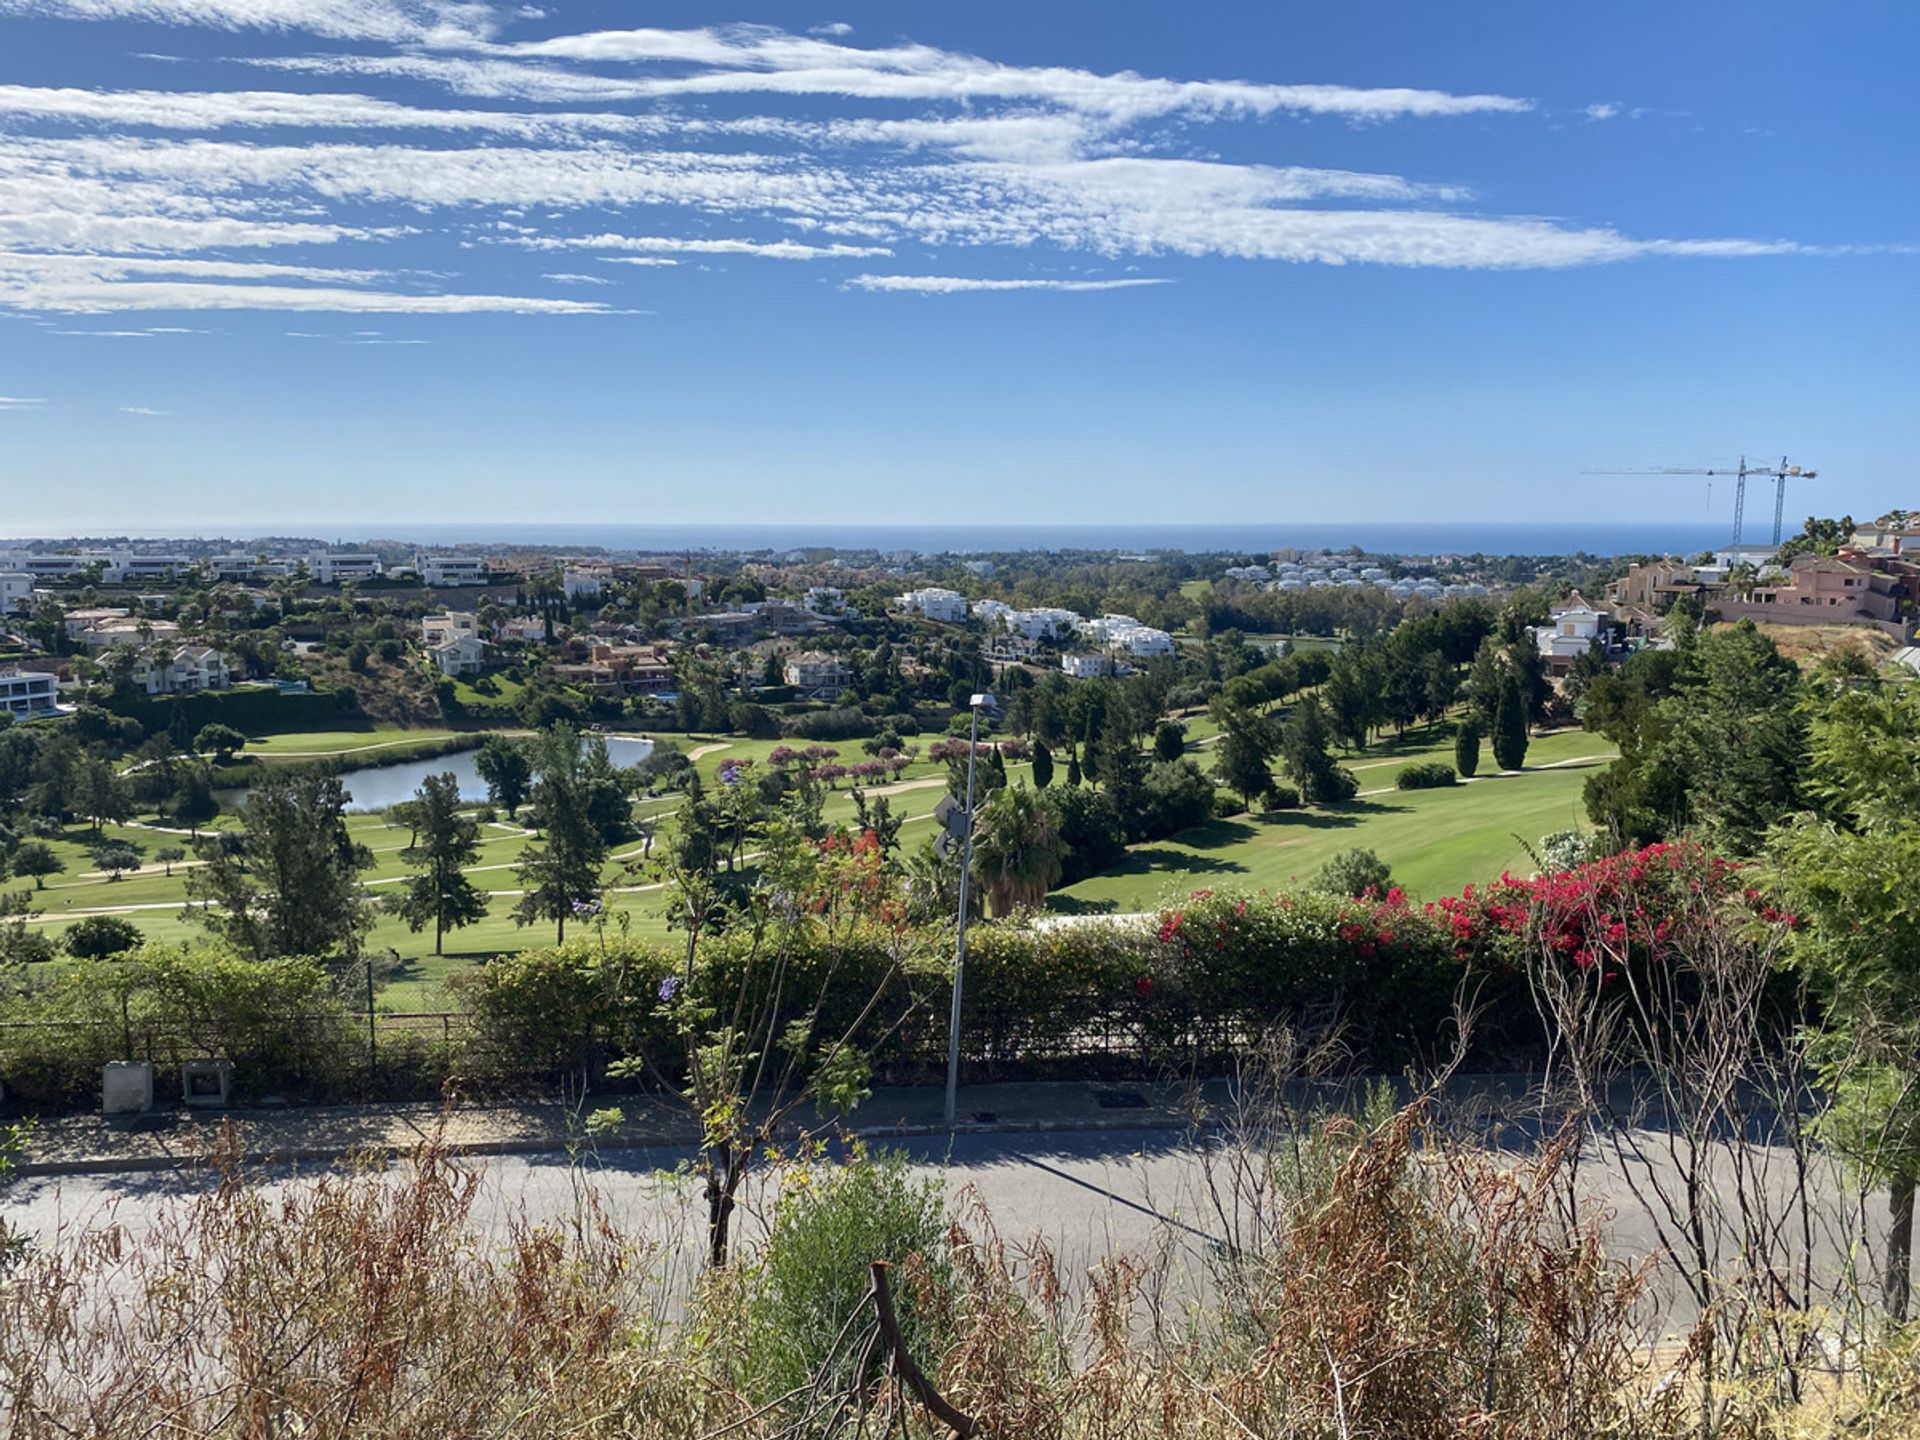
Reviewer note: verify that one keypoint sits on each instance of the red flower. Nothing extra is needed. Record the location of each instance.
(1143, 986)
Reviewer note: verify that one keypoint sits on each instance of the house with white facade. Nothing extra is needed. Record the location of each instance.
(1085, 664)
(947, 606)
(26, 693)
(523, 629)
(451, 625)
(1571, 632)
(138, 633)
(445, 571)
(1142, 641)
(812, 671)
(993, 612)
(127, 567)
(44, 567)
(584, 582)
(460, 655)
(339, 567)
(1255, 573)
(825, 600)
(16, 592)
(1042, 623)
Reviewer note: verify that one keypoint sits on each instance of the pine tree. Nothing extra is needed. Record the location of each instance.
(1308, 762)
(561, 871)
(445, 843)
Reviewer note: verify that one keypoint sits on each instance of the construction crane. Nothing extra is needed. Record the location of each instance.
(1779, 474)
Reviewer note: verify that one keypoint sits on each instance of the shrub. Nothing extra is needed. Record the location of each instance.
(1281, 796)
(839, 723)
(95, 937)
(1354, 872)
(1428, 775)
(1226, 804)
(1466, 747)
(832, 1223)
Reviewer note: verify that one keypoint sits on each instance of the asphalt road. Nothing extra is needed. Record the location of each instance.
(1088, 1195)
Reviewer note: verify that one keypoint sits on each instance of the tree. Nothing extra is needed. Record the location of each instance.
(1242, 759)
(1042, 765)
(560, 873)
(1017, 850)
(1309, 763)
(289, 882)
(1358, 873)
(223, 742)
(1169, 740)
(101, 794)
(503, 764)
(445, 843)
(194, 802)
(169, 856)
(35, 860)
(1849, 878)
(1466, 747)
(115, 858)
(1510, 725)
(97, 937)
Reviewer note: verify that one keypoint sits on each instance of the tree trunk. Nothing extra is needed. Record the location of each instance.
(1898, 1283)
(721, 1181)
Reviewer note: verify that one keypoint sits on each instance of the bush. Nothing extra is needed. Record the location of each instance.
(832, 1223)
(1466, 747)
(1281, 796)
(1226, 805)
(1428, 775)
(97, 936)
(839, 723)
(1354, 872)
(1174, 796)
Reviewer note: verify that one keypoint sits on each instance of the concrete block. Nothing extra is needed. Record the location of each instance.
(126, 1087)
(205, 1084)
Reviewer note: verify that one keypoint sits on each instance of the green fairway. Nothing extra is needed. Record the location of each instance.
(1435, 840)
(313, 743)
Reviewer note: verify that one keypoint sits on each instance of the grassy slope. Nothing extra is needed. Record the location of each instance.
(1435, 840)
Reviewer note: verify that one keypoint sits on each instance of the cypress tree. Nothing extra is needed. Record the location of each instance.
(1466, 747)
(1510, 725)
(1042, 766)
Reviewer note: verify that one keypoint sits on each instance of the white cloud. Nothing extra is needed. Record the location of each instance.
(690, 245)
(955, 284)
(20, 402)
(834, 28)
(637, 260)
(388, 20)
(564, 277)
(1603, 110)
(147, 410)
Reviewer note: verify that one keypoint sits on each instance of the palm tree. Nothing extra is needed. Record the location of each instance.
(1016, 850)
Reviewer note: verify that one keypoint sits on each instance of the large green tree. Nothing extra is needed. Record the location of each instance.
(560, 872)
(1309, 763)
(1510, 725)
(504, 765)
(289, 882)
(1243, 755)
(1849, 875)
(1017, 849)
(445, 842)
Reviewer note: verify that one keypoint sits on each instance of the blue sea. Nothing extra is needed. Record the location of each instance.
(1237, 537)
(1249, 537)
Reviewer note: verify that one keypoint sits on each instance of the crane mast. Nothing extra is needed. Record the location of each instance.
(1779, 474)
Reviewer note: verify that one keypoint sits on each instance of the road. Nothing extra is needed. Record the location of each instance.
(1088, 1195)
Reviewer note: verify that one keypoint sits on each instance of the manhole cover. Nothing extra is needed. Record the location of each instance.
(1120, 1099)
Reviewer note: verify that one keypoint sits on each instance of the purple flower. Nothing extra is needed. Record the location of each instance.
(586, 907)
(729, 772)
(668, 986)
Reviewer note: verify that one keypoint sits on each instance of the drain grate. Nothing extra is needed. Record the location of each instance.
(1120, 1099)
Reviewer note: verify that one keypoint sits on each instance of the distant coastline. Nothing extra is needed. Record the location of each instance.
(1252, 537)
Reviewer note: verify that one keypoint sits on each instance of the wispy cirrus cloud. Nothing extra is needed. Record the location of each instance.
(406, 21)
(20, 402)
(961, 284)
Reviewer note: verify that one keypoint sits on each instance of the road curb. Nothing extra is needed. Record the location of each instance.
(329, 1154)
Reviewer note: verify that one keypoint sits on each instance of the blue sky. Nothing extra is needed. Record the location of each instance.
(330, 262)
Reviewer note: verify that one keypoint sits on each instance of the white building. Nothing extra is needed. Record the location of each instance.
(44, 567)
(236, 566)
(825, 600)
(1085, 664)
(190, 669)
(1142, 641)
(584, 582)
(1041, 624)
(125, 567)
(994, 612)
(814, 671)
(977, 567)
(443, 571)
(526, 629)
(439, 629)
(137, 633)
(26, 692)
(338, 567)
(1248, 572)
(1571, 633)
(16, 593)
(947, 606)
(461, 655)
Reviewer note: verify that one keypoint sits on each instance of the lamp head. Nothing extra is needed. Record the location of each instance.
(982, 701)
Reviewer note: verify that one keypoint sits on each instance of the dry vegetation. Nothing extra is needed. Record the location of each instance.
(1807, 645)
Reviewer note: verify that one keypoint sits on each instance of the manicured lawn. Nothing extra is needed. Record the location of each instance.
(339, 742)
(1435, 840)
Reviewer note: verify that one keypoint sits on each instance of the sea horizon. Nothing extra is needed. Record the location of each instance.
(1598, 538)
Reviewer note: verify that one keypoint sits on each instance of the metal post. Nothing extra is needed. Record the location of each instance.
(372, 1042)
(960, 942)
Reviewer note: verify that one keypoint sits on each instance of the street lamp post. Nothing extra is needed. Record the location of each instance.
(976, 704)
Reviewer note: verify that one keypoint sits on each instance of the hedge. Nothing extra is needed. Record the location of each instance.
(252, 709)
(1427, 775)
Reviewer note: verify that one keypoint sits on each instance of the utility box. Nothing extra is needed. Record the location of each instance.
(204, 1084)
(126, 1087)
